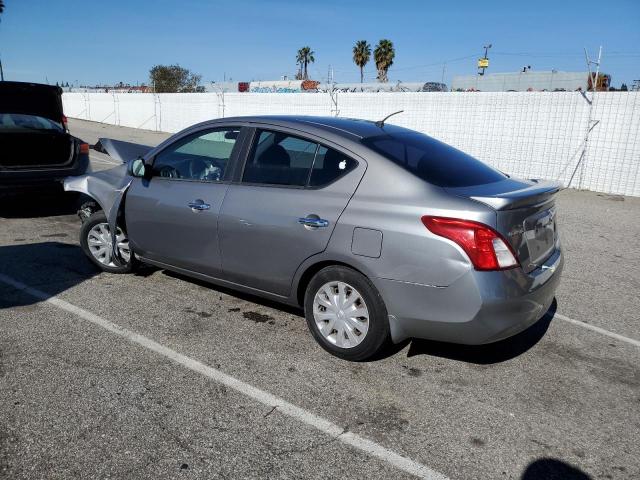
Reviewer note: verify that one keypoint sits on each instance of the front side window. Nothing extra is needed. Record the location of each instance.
(281, 159)
(203, 156)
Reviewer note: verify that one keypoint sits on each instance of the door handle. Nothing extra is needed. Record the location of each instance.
(313, 222)
(198, 205)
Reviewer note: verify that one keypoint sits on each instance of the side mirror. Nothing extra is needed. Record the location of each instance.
(137, 168)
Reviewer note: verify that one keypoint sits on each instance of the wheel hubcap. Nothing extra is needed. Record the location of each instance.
(341, 315)
(100, 246)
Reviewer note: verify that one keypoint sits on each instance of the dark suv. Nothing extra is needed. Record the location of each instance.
(36, 148)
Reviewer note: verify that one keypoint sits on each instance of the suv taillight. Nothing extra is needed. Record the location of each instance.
(64, 122)
(486, 248)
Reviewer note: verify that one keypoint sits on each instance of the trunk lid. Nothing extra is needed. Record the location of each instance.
(525, 215)
(31, 99)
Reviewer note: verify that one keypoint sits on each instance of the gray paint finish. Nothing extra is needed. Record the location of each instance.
(366, 242)
(429, 284)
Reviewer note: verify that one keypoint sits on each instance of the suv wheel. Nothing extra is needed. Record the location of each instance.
(346, 314)
(95, 240)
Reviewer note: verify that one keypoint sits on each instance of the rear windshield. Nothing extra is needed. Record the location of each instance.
(22, 122)
(433, 161)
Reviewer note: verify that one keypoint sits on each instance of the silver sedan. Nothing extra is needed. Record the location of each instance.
(380, 233)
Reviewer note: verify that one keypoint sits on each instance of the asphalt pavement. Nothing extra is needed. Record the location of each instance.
(154, 375)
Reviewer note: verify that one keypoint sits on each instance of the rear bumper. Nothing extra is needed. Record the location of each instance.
(478, 308)
(14, 180)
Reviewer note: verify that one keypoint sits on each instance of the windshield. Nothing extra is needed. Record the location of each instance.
(21, 122)
(433, 161)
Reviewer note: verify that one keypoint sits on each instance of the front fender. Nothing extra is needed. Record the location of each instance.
(107, 188)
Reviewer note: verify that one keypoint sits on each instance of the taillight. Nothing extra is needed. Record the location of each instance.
(64, 122)
(84, 148)
(486, 248)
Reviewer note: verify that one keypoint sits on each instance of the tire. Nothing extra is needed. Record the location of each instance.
(94, 229)
(344, 338)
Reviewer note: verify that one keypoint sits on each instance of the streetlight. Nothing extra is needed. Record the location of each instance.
(483, 63)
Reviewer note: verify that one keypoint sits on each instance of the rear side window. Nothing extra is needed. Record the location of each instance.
(328, 166)
(433, 161)
(281, 159)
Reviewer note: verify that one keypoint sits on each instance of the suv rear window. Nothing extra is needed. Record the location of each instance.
(22, 122)
(433, 161)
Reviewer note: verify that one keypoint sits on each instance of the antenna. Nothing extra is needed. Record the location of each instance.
(380, 123)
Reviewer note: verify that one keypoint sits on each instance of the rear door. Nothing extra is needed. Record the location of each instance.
(284, 208)
(173, 216)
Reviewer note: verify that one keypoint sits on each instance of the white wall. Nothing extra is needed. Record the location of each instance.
(526, 134)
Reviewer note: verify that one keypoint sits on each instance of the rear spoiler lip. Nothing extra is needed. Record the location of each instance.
(536, 194)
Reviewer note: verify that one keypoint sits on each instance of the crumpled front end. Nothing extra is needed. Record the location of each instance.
(107, 188)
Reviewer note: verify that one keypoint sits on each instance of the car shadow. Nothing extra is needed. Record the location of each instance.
(50, 267)
(45, 202)
(553, 469)
(238, 294)
(497, 352)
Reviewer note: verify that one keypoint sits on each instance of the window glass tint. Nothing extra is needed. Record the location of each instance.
(202, 156)
(280, 159)
(328, 166)
(433, 161)
(21, 122)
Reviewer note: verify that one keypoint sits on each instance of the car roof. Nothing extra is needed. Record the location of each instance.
(12, 87)
(351, 128)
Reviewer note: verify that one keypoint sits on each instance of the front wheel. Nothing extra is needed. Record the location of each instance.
(346, 314)
(95, 240)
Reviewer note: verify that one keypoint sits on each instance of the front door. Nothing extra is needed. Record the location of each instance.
(292, 192)
(173, 216)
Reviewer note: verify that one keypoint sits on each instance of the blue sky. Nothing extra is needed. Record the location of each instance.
(107, 42)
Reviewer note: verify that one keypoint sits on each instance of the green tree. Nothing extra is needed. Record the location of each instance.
(172, 79)
(361, 56)
(304, 58)
(624, 88)
(383, 56)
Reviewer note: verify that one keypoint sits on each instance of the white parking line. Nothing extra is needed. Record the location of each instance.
(338, 433)
(593, 328)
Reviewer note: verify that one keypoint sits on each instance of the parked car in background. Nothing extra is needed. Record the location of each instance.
(380, 233)
(36, 148)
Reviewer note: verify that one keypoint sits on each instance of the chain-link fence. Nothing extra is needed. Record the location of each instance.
(585, 142)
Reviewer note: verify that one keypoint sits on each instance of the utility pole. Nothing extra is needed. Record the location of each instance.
(444, 69)
(483, 63)
(1, 72)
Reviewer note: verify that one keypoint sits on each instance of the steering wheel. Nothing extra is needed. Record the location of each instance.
(167, 171)
(205, 170)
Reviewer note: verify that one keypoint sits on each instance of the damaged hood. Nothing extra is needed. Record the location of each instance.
(123, 151)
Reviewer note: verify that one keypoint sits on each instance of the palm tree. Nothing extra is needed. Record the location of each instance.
(305, 57)
(361, 56)
(384, 55)
(1, 6)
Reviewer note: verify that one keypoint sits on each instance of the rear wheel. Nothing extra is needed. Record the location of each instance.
(346, 314)
(95, 240)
